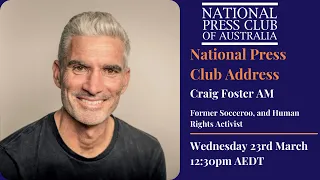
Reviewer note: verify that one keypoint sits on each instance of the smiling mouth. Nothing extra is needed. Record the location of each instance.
(91, 103)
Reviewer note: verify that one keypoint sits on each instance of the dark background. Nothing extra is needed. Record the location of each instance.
(295, 90)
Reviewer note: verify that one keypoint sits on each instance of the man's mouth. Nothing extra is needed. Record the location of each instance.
(94, 103)
(90, 102)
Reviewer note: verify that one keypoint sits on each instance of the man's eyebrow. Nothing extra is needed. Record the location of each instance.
(78, 62)
(114, 67)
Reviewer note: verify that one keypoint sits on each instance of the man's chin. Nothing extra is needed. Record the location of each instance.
(91, 118)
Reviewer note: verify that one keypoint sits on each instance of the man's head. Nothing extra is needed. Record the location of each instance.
(92, 71)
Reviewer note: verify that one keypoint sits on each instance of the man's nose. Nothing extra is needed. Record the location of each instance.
(94, 83)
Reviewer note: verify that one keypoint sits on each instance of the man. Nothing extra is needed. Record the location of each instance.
(83, 140)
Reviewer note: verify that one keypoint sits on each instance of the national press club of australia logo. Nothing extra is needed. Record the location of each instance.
(243, 23)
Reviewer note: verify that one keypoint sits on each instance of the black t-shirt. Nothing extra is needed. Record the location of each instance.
(37, 152)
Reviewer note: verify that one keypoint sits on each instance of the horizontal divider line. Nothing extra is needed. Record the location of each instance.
(240, 4)
(240, 43)
(252, 133)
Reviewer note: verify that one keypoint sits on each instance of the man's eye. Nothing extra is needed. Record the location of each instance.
(110, 71)
(79, 69)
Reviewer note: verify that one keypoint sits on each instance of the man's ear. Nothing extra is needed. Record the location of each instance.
(126, 80)
(56, 73)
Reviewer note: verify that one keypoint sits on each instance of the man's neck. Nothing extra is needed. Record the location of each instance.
(87, 141)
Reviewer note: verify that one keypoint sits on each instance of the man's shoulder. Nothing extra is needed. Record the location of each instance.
(23, 136)
(137, 136)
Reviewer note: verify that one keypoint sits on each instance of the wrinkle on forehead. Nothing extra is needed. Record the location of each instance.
(101, 49)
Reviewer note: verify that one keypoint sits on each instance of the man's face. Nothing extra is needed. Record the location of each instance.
(93, 78)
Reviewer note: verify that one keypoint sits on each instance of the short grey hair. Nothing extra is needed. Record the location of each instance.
(92, 24)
